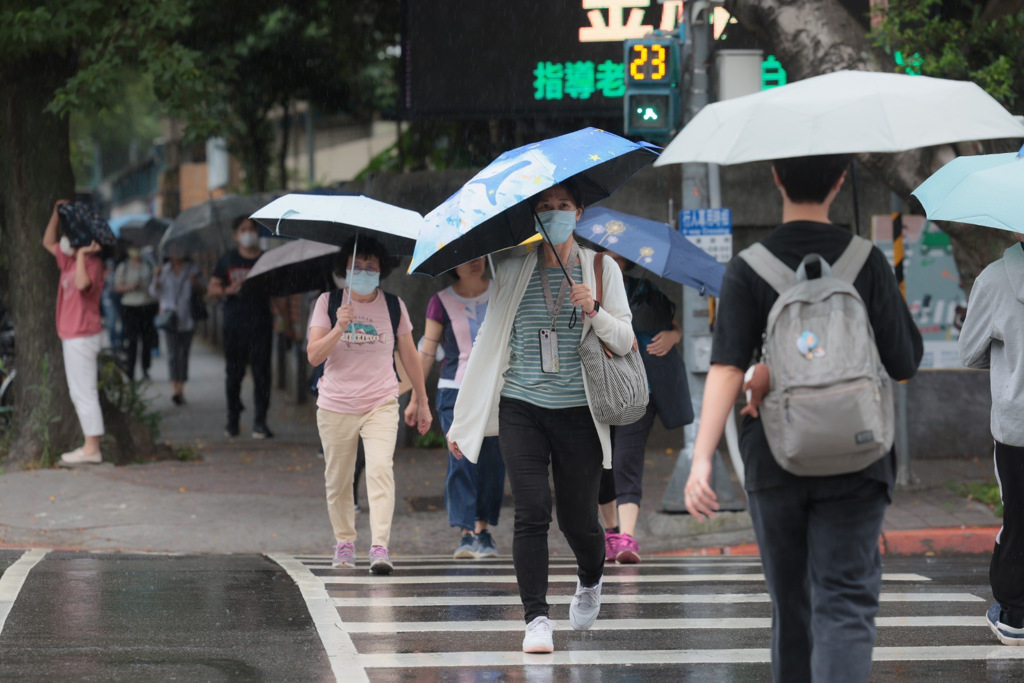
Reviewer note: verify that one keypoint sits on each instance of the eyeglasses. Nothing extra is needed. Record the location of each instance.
(372, 270)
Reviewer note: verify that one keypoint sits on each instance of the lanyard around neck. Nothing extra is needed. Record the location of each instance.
(555, 307)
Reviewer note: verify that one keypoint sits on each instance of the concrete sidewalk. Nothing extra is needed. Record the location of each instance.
(246, 495)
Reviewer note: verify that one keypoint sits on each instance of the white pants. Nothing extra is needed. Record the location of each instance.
(82, 369)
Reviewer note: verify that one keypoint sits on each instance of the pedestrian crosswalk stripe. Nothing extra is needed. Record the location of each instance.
(561, 578)
(655, 657)
(340, 650)
(490, 564)
(665, 599)
(14, 578)
(715, 623)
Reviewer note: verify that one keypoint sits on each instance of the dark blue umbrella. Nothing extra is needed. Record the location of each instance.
(654, 246)
(492, 212)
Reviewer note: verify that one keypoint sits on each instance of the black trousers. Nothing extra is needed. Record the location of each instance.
(819, 547)
(1006, 573)
(248, 345)
(179, 345)
(624, 481)
(532, 439)
(138, 323)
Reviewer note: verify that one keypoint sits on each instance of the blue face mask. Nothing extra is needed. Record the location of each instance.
(363, 282)
(558, 224)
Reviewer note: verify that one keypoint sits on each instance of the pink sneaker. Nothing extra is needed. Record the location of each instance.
(611, 545)
(344, 555)
(629, 550)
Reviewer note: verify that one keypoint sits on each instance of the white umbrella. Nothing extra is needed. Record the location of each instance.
(846, 112)
(296, 266)
(333, 219)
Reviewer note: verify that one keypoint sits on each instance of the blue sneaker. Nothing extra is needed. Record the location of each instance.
(484, 545)
(465, 549)
(1007, 635)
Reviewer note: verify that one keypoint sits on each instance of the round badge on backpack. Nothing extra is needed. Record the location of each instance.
(808, 346)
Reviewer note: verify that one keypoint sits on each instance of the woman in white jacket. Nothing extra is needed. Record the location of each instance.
(525, 384)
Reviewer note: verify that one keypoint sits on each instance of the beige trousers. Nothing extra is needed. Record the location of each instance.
(339, 434)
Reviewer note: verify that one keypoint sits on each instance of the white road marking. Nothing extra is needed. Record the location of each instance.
(333, 634)
(476, 566)
(14, 578)
(554, 578)
(667, 599)
(628, 657)
(704, 624)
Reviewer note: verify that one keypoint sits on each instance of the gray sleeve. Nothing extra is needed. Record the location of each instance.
(978, 331)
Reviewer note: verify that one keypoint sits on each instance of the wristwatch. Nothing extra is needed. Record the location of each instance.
(597, 307)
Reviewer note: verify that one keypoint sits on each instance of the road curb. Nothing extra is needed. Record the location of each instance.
(898, 543)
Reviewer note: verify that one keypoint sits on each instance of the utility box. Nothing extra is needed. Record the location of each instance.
(737, 73)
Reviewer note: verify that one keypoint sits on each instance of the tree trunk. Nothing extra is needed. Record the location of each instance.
(282, 157)
(35, 173)
(813, 37)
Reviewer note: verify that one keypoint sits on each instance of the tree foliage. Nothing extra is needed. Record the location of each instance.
(980, 42)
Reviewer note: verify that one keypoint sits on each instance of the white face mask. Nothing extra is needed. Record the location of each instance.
(248, 240)
(339, 281)
(363, 282)
(65, 246)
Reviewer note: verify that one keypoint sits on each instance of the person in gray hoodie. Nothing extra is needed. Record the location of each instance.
(993, 338)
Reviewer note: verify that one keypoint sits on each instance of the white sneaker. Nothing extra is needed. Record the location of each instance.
(585, 605)
(78, 457)
(538, 636)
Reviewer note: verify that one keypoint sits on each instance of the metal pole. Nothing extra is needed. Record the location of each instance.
(310, 145)
(903, 474)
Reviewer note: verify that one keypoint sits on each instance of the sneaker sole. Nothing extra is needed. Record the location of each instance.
(1005, 640)
(539, 650)
(381, 569)
(84, 463)
(461, 554)
(627, 557)
(344, 565)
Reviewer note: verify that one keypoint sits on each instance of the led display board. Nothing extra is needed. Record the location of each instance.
(502, 59)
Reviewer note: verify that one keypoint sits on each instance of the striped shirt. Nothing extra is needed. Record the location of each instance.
(524, 379)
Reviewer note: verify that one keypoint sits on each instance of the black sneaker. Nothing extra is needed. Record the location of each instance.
(261, 431)
(231, 430)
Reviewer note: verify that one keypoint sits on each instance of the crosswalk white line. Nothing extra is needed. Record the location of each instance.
(663, 599)
(341, 652)
(14, 578)
(672, 560)
(668, 657)
(556, 578)
(703, 624)
(470, 565)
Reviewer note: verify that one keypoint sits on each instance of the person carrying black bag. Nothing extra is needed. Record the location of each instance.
(657, 333)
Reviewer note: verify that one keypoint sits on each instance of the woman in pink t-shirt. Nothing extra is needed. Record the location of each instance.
(80, 330)
(358, 395)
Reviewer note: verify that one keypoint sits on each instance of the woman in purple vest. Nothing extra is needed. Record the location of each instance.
(472, 492)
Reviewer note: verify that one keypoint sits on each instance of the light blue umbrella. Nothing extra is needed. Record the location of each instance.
(654, 246)
(492, 212)
(986, 189)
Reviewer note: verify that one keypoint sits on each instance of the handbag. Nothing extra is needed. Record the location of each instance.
(618, 384)
(166, 321)
(82, 224)
(670, 391)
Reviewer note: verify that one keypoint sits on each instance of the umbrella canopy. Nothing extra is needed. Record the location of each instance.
(492, 212)
(846, 112)
(298, 266)
(208, 225)
(132, 219)
(654, 246)
(987, 190)
(140, 230)
(333, 219)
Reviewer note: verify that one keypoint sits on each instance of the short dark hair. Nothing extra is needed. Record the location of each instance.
(570, 185)
(368, 246)
(808, 180)
(237, 222)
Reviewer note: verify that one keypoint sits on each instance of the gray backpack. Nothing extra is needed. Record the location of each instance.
(830, 407)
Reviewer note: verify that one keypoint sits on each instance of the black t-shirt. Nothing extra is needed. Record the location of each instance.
(743, 315)
(248, 307)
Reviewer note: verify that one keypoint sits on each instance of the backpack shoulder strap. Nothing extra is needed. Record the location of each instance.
(769, 267)
(333, 301)
(599, 275)
(852, 260)
(394, 311)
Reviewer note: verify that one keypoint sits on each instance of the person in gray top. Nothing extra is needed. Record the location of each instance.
(131, 280)
(173, 284)
(993, 338)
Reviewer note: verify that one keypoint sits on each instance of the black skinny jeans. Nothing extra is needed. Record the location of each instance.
(1006, 572)
(531, 439)
(244, 345)
(138, 324)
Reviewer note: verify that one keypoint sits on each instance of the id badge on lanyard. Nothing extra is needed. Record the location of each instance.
(547, 336)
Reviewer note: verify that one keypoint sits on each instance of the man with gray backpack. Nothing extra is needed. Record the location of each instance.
(821, 310)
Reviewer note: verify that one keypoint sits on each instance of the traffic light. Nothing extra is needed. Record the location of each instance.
(651, 103)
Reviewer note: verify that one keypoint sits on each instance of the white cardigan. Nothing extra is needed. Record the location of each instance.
(476, 409)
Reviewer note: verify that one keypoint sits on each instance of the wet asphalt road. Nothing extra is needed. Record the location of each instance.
(131, 617)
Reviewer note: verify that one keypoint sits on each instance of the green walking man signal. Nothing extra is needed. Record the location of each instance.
(651, 104)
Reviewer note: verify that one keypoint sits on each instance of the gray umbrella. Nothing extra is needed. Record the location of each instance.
(208, 225)
(298, 266)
